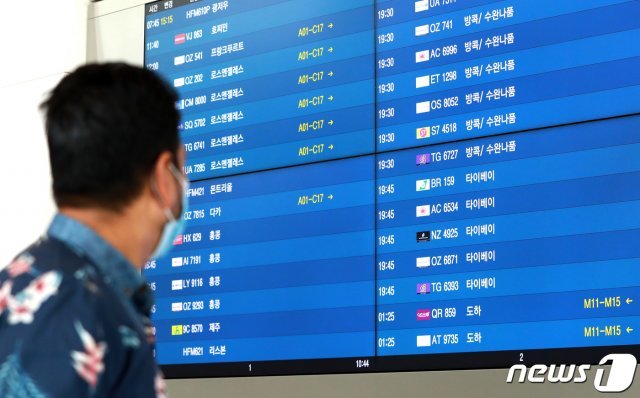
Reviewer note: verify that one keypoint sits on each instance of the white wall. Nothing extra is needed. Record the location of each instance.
(41, 41)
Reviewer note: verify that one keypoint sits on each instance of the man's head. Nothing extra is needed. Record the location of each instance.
(106, 126)
(112, 131)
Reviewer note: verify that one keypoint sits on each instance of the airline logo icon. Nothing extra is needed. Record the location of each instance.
(424, 236)
(423, 315)
(421, 107)
(179, 106)
(422, 56)
(423, 211)
(422, 5)
(423, 132)
(176, 285)
(178, 240)
(423, 81)
(423, 341)
(176, 262)
(179, 60)
(176, 330)
(423, 288)
(179, 82)
(180, 39)
(424, 158)
(423, 185)
(176, 307)
(422, 30)
(423, 262)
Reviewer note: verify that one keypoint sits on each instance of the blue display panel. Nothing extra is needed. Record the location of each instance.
(400, 185)
(262, 272)
(463, 69)
(486, 245)
(267, 85)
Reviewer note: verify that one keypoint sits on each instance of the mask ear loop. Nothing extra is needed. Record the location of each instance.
(169, 215)
(178, 175)
(184, 183)
(167, 212)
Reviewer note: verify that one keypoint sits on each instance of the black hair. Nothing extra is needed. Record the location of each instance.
(106, 126)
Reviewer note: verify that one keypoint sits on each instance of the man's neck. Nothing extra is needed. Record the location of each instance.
(120, 230)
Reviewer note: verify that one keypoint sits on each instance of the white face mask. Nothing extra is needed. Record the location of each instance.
(174, 226)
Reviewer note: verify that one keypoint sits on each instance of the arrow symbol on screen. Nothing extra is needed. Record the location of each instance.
(331, 74)
(331, 98)
(330, 122)
(330, 49)
(330, 197)
(330, 25)
(629, 330)
(331, 147)
(629, 301)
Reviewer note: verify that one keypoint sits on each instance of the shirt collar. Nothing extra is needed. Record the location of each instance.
(117, 270)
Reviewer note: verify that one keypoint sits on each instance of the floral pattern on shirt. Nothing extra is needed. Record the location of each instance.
(20, 265)
(67, 331)
(23, 305)
(89, 363)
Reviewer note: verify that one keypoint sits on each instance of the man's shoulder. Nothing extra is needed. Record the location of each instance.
(46, 254)
(62, 325)
(47, 274)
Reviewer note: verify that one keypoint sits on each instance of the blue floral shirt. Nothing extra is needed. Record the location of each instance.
(74, 320)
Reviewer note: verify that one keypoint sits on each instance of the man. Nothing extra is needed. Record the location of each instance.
(74, 309)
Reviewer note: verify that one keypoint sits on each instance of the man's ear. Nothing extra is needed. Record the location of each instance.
(164, 182)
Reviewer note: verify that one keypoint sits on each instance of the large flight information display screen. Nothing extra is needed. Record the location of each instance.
(400, 185)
